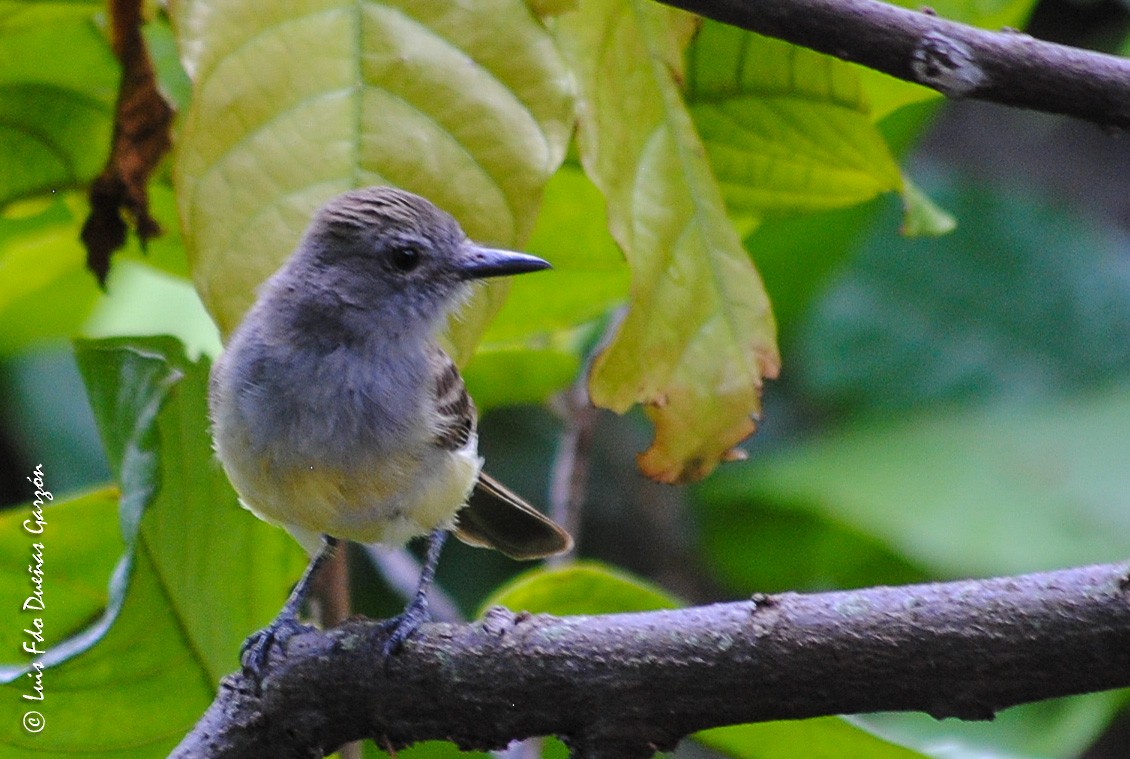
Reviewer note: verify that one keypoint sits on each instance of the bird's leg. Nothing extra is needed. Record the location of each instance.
(256, 649)
(416, 612)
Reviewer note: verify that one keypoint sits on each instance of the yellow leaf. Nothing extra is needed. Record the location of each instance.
(699, 335)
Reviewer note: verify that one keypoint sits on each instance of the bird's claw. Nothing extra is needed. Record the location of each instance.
(256, 650)
(401, 627)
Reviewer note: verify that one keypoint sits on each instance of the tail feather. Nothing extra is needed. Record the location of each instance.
(496, 517)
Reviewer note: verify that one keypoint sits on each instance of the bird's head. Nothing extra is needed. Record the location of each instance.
(386, 251)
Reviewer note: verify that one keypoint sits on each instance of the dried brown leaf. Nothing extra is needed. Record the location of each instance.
(141, 138)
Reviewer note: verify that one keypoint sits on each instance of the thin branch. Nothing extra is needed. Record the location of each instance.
(959, 61)
(569, 481)
(625, 685)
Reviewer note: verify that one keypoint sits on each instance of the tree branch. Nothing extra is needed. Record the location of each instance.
(1006, 67)
(624, 685)
(569, 481)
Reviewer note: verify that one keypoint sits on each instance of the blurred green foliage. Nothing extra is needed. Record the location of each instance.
(950, 406)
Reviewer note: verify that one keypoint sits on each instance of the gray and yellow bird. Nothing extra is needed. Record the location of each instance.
(336, 413)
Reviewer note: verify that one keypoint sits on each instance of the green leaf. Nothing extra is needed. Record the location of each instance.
(162, 44)
(1049, 729)
(55, 110)
(760, 547)
(1022, 300)
(582, 588)
(984, 491)
(798, 254)
(533, 349)
(923, 217)
(824, 738)
(699, 335)
(45, 406)
(133, 695)
(199, 573)
(423, 750)
(143, 301)
(547, 8)
(502, 375)
(786, 128)
(469, 105)
(589, 277)
(45, 290)
(81, 544)
(194, 529)
(127, 384)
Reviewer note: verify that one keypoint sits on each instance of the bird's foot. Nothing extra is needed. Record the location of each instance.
(401, 627)
(255, 652)
(416, 613)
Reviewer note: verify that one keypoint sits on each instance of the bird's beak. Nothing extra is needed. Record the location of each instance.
(479, 262)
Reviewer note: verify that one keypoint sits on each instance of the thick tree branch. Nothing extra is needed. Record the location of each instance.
(957, 60)
(624, 685)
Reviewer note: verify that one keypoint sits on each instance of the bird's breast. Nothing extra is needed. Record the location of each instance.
(339, 443)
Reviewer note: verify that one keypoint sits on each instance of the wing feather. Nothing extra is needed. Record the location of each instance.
(455, 409)
(495, 516)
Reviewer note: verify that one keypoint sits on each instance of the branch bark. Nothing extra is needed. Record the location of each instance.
(1005, 67)
(625, 685)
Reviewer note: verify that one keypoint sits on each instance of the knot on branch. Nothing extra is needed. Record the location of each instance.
(946, 64)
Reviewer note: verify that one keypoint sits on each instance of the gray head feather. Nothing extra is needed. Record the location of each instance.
(377, 261)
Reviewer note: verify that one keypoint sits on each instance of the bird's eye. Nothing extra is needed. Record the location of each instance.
(405, 259)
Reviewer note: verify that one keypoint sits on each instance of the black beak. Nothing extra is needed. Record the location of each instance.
(478, 262)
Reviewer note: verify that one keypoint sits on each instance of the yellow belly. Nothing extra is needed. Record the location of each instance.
(385, 500)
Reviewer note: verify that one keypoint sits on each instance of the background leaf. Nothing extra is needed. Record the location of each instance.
(1022, 301)
(825, 738)
(590, 275)
(580, 588)
(193, 530)
(102, 703)
(533, 348)
(699, 335)
(81, 545)
(972, 402)
(200, 573)
(505, 376)
(786, 128)
(55, 110)
(295, 103)
(46, 293)
(1002, 490)
(45, 290)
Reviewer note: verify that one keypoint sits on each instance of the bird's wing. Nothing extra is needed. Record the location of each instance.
(494, 517)
(454, 407)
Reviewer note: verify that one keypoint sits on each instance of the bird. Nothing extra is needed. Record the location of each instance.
(337, 415)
